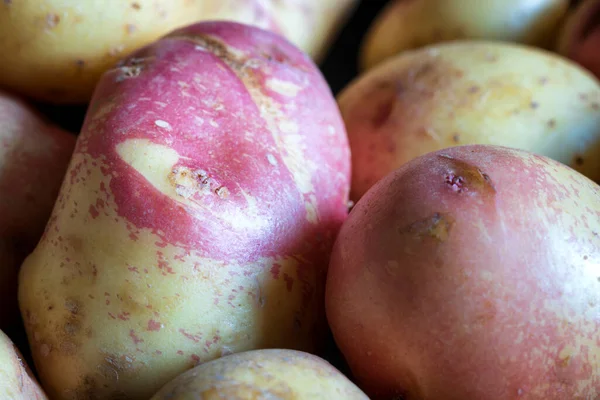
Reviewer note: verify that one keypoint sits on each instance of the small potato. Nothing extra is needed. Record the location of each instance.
(471, 273)
(56, 50)
(580, 36)
(410, 24)
(262, 374)
(33, 160)
(471, 92)
(16, 380)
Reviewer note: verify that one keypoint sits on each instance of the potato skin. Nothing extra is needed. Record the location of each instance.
(207, 186)
(580, 36)
(56, 50)
(33, 160)
(271, 373)
(471, 273)
(471, 92)
(411, 24)
(18, 383)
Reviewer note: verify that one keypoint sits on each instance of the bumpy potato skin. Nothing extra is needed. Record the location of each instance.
(197, 218)
(56, 50)
(471, 92)
(471, 273)
(580, 36)
(34, 156)
(272, 373)
(410, 24)
(16, 380)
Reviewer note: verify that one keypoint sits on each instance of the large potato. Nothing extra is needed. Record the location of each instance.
(56, 50)
(580, 36)
(471, 273)
(410, 24)
(204, 194)
(262, 374)
(16, 380)
(33, 160)
(471, 92)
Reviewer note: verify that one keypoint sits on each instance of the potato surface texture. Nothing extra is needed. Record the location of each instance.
(410, 24)
(197, 217)
(471, 273)
(262, 374)
(34, 156)
(56, 50)
(471, 92)
(16, 380)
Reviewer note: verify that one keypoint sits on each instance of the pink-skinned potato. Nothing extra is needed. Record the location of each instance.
(34, 156)
(579, 38)
(16, 379)
(471, 273)
(205, 192)
(262, 374)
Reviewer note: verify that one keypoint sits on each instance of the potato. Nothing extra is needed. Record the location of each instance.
(471, 92)
(262, 374)
(207, 186)
(16, 380)
(56, 50)
(471, 273)
(33, 160)
(411, 24)
(580, 36)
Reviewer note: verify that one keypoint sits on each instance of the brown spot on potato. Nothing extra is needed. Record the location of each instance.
(456, 138)
(551, 123)
(534, 105)
(130, 28)
(136, 6)
(52, 20)
(462, 177)
(578, 160)
(436, 226)
(80, 64)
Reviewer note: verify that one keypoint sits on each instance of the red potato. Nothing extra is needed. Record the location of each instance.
(16, 380)
(207, 186)
(471, 273)
(33, 159)
(580, 36)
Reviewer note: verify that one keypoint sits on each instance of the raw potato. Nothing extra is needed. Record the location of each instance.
(56, 50)
(262, 374)
(208, 183)
(411, 24)
(471, 92)
(34, 156)
(16, 380)
(471, 273)
(580, 36)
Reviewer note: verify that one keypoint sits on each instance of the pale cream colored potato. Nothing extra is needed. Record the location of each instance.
(471, 92)
(16, 380)
(262, 374)
(55, 50)
(410, 24)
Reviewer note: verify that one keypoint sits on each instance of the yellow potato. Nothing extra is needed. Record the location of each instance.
(262, 374)
(410, 24)
(471, 92)
(56, 50)
(16, 380)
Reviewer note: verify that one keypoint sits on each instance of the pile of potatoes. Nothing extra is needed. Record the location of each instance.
(224, 226)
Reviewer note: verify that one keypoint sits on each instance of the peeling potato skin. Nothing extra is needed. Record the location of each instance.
(34, 156)
(17, 381)
(261, 374)
(471, 92)
(56, 50)
(471, 273)
(579, 38)
(410, 24)
(167, 247)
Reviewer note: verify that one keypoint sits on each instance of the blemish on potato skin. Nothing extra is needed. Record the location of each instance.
(464, 177)
(436, 226)
(52, 20)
